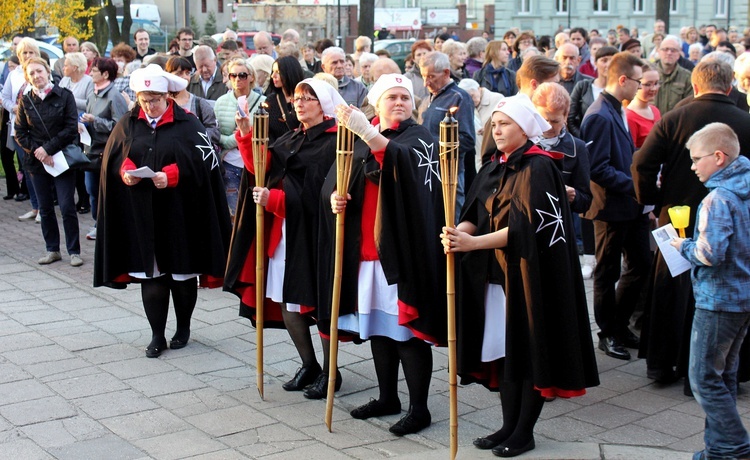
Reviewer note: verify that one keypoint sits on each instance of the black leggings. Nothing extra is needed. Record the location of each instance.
(155, 294)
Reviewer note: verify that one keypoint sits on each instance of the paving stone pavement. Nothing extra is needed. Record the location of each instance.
(75, 384)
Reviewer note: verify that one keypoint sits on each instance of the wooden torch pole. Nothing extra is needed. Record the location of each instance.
(260, 150)
(449, 175)
(344, 153)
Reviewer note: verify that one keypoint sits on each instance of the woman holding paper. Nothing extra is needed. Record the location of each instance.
(104, 107)
(46, 122)
(165, 227)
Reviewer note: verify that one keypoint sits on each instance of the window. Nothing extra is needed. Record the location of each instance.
(638, 6)
(524, 6)
(721, 8)
(203, 6)
(220, 6)
(602, 6)
(561, 6)
(673, 6)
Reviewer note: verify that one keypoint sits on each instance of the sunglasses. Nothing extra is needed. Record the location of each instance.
(241, 75)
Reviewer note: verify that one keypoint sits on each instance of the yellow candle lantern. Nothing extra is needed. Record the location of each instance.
(680, 216)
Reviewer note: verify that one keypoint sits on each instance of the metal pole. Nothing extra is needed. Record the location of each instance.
(338, 36)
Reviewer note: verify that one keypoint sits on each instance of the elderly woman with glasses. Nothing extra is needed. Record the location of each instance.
(297, 166)
(163, 219)
(243, 80)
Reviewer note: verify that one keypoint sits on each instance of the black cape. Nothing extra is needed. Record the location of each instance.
(548, 332)
(185, 228)
(300, 160)
(409, 219)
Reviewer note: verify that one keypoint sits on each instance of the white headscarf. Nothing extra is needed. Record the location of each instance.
(327, 95)
(520, 109)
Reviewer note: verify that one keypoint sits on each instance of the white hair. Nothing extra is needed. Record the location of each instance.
(468, 84)
(367, 58)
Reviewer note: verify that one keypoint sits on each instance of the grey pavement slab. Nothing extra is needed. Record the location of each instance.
(74, 384)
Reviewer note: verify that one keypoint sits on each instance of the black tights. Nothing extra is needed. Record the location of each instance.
(522, 405)
(155, 294)
(416, 357)
(299, 330)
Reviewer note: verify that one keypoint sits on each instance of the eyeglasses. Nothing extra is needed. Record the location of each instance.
(304, 99)
(651, 85)
(633, 79)
(241, 75)
(152, 102)
(697, 160)
(669, 50)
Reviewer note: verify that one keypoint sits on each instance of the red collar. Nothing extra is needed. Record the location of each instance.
(168, 116)
(533, 150)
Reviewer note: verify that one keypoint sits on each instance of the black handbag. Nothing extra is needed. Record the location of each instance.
(72, 152)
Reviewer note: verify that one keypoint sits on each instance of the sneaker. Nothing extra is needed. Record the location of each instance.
(53, 256)
(75, 260)
(31, 215)
(38, 218)
(91, 235)
(587, 266)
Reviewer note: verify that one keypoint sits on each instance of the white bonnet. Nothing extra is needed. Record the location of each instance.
(154, 78)
(328, 96)
(520, 109)
(386, 82)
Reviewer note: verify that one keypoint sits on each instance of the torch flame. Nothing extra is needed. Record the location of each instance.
(453, 110)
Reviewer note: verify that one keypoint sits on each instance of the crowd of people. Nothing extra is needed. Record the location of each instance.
(571, 150)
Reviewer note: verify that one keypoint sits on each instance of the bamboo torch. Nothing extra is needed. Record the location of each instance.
(344, 153)
(449, 175)
(260, 149)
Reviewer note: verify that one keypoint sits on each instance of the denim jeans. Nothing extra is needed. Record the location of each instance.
(65, 184)
(232, 176)
(92, 188)
(715, 343)
(26, 176)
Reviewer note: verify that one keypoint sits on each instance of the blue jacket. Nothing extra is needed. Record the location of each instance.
(720, 248)
(611, 149)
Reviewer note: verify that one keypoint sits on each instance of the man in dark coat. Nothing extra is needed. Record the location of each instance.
(670, 305)
(620, 226)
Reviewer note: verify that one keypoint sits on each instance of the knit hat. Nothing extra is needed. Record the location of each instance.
(154, 79)
(520, 109)
(327, 95)
(386, 82)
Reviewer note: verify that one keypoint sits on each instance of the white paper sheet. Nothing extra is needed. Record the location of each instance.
(84, 134)
(676, 263)
(144, 172)
(60, 165)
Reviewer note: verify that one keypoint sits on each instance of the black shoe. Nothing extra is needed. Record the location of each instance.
(663, 376)
(8, 197)
(630, 340)
(154, 349)
(305, 375)
(485, 443)
(22, 197)
(179, 341)
(319, 388)
(613, 348)
(375, 408)
(412, 422)
(84, 209)
(507, 452)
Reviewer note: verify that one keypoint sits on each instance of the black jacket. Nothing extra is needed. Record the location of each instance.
(504, 84)
(59, 116)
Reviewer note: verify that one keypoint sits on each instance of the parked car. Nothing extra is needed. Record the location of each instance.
(156, 34)
(398, 49)
(52, 51)
(247, 39)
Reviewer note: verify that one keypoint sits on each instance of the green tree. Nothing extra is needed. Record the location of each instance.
(210, 26)
(196, 28)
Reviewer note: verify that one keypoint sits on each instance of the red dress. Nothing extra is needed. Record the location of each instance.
(640, 126)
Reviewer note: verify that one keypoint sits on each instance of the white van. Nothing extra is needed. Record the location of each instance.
(145, 11)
